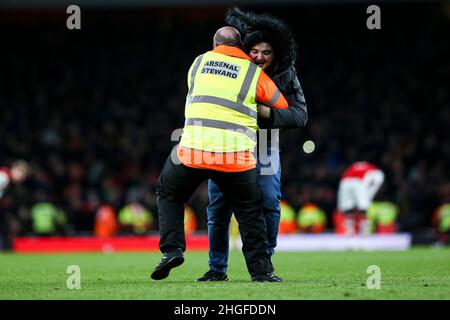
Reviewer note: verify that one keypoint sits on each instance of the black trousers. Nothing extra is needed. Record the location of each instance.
(176, 185)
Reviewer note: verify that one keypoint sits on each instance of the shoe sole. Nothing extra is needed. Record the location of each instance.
(164, 271)
(212, 280)
(267, 280)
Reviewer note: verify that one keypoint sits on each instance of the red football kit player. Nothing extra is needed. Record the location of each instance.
(357, 188)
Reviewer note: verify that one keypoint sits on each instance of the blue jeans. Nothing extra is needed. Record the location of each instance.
(219, 212)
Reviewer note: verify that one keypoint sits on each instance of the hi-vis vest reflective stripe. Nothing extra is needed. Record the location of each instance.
(221, 113)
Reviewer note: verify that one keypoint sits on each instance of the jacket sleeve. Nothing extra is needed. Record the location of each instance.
(267, 93)
(296, 115)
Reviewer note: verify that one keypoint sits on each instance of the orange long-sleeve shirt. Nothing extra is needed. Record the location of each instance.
(266, 93)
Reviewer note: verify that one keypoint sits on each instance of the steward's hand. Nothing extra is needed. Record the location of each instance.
(263, 111)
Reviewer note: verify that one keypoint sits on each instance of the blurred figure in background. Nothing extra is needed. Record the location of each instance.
(311, 219)
(381, 217)
(288, 221)
(106, 224)
(441, 223)
(47, 219)
(15, 174)
(190, 220)
(135, 218)
(357, 188)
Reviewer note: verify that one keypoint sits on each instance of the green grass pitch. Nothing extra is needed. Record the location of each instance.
(419, 273)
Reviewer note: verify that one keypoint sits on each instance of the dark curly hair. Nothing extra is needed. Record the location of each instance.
(256, 28)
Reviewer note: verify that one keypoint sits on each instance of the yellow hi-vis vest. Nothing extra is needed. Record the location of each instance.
(221, 113)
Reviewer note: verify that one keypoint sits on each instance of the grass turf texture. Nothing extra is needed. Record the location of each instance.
(420, 273)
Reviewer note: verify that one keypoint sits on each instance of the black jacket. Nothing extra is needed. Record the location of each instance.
(296, 115)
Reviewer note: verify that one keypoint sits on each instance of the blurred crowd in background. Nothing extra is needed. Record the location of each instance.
(92, 110)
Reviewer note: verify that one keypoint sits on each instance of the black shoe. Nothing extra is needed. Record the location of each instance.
(268, 277)
(212, 275)
(168, 261)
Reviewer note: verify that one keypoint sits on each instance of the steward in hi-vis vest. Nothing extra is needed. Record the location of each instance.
(381, 217)
(288, 222)
(221, 114)
(217, 143)
(311, 219)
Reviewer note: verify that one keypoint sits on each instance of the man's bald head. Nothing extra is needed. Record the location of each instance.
(228, 36)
